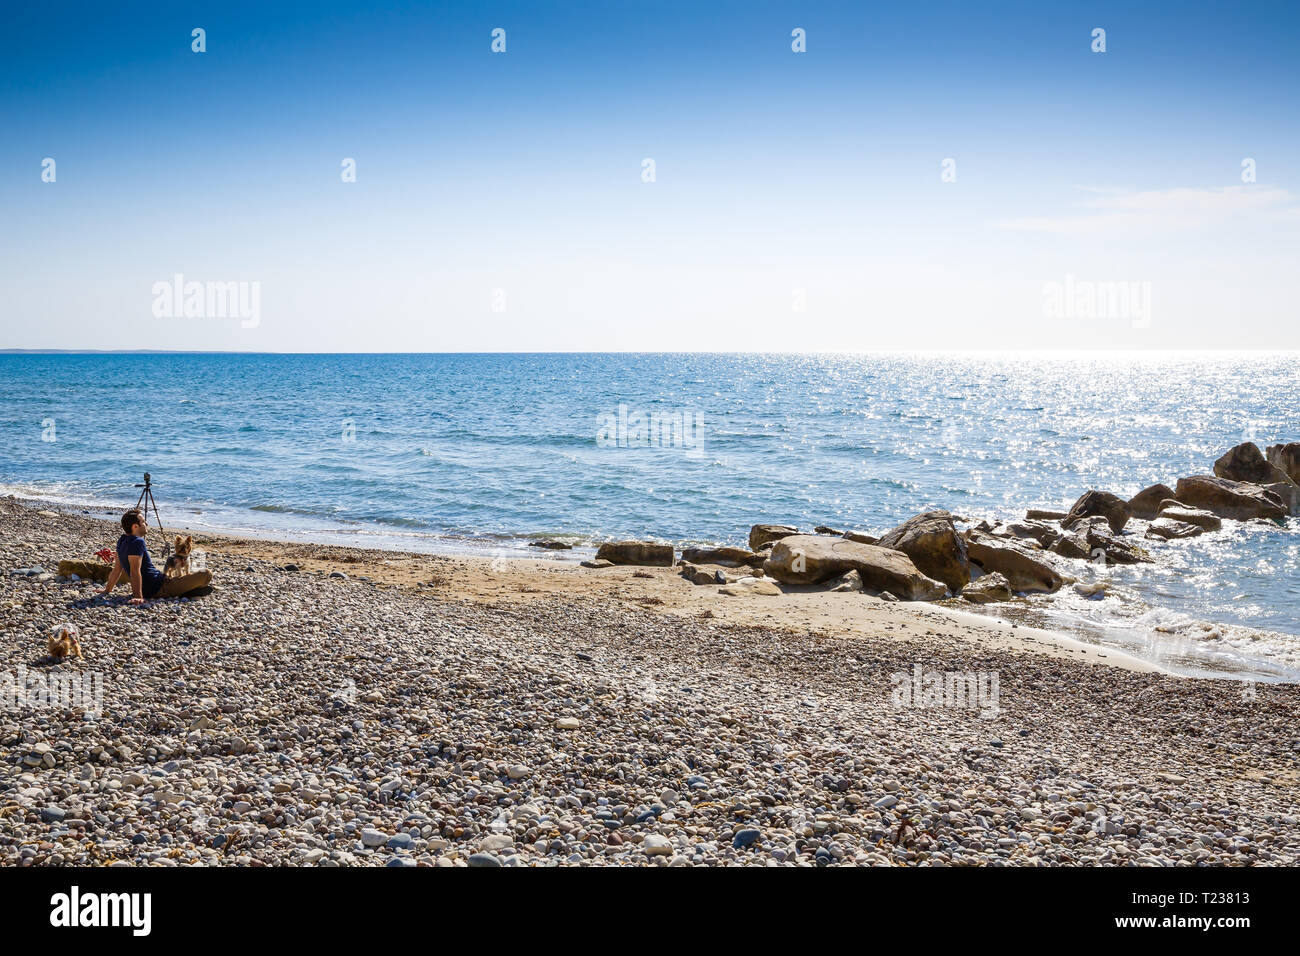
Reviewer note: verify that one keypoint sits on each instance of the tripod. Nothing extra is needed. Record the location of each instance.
(146, 498)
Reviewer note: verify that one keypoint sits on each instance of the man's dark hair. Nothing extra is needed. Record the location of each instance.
(130, 518)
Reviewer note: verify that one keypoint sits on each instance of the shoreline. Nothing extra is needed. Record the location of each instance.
(558, 574)
(496, 717)
(1094, 635)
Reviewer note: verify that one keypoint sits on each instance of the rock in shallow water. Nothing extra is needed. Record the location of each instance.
(1168, 529)
(1229, 499)
(1146, 503)
(1176, 511)
(1247, 463)
(1094, 503)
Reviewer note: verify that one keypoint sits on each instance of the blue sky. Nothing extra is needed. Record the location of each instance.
(798, 202)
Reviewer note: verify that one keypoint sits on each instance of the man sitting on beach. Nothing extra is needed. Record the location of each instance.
(147, 582)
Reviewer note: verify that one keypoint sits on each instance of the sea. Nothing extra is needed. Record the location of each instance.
(485, 453)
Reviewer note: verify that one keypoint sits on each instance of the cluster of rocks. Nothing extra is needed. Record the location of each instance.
(926, 558)
(293, 719)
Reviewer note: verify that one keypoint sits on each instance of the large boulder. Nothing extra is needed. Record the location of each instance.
(1229, 499)
(636, 552)
(1023, 571)
(1286, 458)
(1288, 492)
(987, 588)
(1246, 462)
(1146, 503)
(762, 534)
(1091, 503)
(934, 546)
(1177, 511)
(811, 559)
(727, 557)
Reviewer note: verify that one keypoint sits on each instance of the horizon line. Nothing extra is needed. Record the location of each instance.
(948, 351)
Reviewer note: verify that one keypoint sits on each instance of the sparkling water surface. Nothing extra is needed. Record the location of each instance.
(459, 452)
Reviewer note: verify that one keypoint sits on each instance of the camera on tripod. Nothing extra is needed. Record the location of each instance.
(144, 503)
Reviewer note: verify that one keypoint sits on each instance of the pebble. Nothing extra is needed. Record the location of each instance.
(655, 845)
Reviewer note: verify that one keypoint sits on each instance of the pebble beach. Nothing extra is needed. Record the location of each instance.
(304, 716)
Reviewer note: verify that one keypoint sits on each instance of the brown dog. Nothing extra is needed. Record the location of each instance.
(178, 564)
(64, 641)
